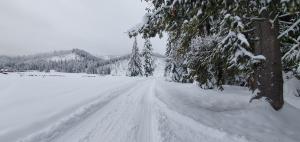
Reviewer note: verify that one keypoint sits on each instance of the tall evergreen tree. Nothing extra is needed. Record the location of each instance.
(148, 58)
(135, 64)
(176, 65)
(249, 30)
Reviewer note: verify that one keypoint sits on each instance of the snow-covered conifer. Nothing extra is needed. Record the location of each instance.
(148, 58)
(290, 42)
(248, 28)
(135, 64)
(176, 65)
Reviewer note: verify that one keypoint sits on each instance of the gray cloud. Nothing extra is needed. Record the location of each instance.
(98, 26)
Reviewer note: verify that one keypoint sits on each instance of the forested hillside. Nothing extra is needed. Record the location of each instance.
(71, 61)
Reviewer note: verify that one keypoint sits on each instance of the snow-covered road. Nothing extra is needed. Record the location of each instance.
(121, 109)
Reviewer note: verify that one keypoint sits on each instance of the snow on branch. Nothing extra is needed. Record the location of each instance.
(145, 22)
(238, 43)
(289, 29)
(136, 29)
(293, 53)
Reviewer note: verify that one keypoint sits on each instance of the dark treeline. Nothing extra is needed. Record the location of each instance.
(83, 63)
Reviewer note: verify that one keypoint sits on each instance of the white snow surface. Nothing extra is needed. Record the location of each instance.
(62, 107)
(292, 90)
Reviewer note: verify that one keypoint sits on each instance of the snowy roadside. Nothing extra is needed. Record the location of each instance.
(292, 91)
(230, 114)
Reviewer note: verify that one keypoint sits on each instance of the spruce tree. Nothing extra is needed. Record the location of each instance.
(290, 42)
(205, 64)
(135, 65)
(148, 58)
(176, 65)
(250, 32)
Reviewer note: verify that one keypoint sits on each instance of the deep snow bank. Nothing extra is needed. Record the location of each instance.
(292, 91)
(230, 111)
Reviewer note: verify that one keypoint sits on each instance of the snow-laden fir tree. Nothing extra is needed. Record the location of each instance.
(290, 42)
(135, 64)
(206, 66)
(176, 65)
(148, 58)
(249, 30)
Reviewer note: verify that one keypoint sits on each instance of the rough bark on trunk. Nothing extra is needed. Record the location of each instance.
(269, 74)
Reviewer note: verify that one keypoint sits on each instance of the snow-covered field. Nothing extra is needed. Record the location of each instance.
(61, 107)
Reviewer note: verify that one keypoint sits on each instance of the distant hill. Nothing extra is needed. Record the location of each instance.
(64, 55)
(73, 61)
(75, 54)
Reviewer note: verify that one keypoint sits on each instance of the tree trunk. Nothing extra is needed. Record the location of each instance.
(269, 74)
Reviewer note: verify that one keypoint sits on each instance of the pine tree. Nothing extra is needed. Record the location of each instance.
(176, 65)
(205, 64)
(135, 65)
(250, 35)
(290, 42)
(148, 58)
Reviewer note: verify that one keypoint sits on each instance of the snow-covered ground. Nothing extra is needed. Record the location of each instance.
(61, 107)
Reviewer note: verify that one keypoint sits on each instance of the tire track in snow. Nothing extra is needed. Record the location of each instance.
(131, 113)
(175, 127)
(128, 118)
(57, 129)
(146, 126)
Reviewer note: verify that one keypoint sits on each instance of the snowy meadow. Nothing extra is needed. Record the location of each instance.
(58, 107)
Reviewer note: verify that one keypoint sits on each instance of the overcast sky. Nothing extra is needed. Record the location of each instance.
(97, 26)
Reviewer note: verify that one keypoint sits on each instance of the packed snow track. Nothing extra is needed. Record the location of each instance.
(121, 109)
